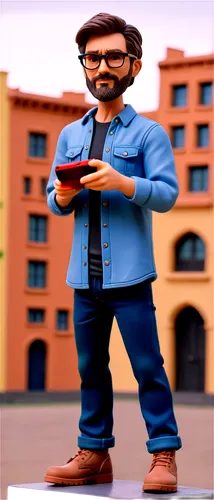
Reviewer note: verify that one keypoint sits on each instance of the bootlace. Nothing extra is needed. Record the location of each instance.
(163, 458)
(82, 453)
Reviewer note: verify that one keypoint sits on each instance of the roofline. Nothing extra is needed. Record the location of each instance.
(187, 61)
(16, 96)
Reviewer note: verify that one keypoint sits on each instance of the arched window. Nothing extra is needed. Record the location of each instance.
(190, 253)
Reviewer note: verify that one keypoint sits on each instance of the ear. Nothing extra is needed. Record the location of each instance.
(137, 65)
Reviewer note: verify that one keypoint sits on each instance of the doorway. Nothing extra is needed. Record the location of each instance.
(190, 351)
(37, 366)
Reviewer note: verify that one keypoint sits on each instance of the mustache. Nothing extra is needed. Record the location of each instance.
(105, 76)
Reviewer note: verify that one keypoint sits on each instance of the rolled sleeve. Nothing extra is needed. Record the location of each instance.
(59, 158)
(159, 189)
(142, 190)
(55, 208)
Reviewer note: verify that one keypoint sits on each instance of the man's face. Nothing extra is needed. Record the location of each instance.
(106, 83)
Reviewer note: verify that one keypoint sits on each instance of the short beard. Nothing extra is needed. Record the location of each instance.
(106, 94)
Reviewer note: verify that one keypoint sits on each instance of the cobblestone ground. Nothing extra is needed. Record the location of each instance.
(34, 437)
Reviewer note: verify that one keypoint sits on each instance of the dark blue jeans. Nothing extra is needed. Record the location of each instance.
(94, 310)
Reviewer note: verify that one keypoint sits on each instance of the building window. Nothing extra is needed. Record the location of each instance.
(62, 320)
(37, 145)
(190, 253)
(202, 136)
(37, 228)
(179, 96)
(206, 90)
(43, 185)
(198, 178)
(37, 271)
(178, 136)
(36, 315)
(27, 185)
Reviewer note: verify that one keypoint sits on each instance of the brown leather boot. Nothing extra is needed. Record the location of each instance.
(86, 467)
(163, 473)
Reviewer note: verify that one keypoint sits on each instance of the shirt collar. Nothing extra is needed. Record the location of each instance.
(125, 116)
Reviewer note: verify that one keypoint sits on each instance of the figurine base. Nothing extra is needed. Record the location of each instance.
(118, 490)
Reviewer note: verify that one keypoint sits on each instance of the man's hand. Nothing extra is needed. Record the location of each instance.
(107, 178)
(64, 194)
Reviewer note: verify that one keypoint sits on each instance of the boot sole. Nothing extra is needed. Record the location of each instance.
(159, 487)
(101, 478)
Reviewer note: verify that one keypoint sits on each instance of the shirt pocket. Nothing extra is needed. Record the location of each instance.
(125, 159)
(74, 153)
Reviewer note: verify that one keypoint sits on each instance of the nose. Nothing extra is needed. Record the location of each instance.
(103, 68)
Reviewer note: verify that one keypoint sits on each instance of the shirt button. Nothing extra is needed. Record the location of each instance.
(107, 150)
(86, 147)
(90, 119)
(105, 245)
(84, 263)
(106, 262)
(90, 130)
(112, 132)
(116, 120)
(86, 225)
(105, 225)
(125, 153)
(71, 153)
(84, 247)
(105, 204)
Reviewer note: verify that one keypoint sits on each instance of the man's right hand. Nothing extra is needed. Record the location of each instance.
(65, 194)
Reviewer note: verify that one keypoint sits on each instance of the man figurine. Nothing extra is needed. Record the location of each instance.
(112, 265)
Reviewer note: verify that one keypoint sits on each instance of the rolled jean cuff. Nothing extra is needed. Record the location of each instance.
(164, 443)
(95, 443)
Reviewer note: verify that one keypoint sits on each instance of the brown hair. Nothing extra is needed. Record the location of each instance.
(106, 24)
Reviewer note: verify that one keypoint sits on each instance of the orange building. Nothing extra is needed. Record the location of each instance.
(4, 169)
(40, 349)
(183, 237)
(39, 302)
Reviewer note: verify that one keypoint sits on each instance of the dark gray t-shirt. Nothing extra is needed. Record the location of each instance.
(95, 256)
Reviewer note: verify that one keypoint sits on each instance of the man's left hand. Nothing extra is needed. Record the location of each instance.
(106, 178)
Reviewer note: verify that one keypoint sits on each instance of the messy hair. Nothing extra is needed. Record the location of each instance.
(106, 24)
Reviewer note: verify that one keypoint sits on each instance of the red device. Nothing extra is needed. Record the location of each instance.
(70, 173)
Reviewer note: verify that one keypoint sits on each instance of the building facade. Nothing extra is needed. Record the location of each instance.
(40, 342)
(4, 169)
(40, 350)
(184, 237)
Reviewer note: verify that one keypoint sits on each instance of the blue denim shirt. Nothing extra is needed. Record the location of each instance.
(139, 148)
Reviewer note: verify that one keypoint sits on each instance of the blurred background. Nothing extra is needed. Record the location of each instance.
(42, 88)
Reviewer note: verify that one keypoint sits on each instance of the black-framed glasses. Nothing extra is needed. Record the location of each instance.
(112, 59)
